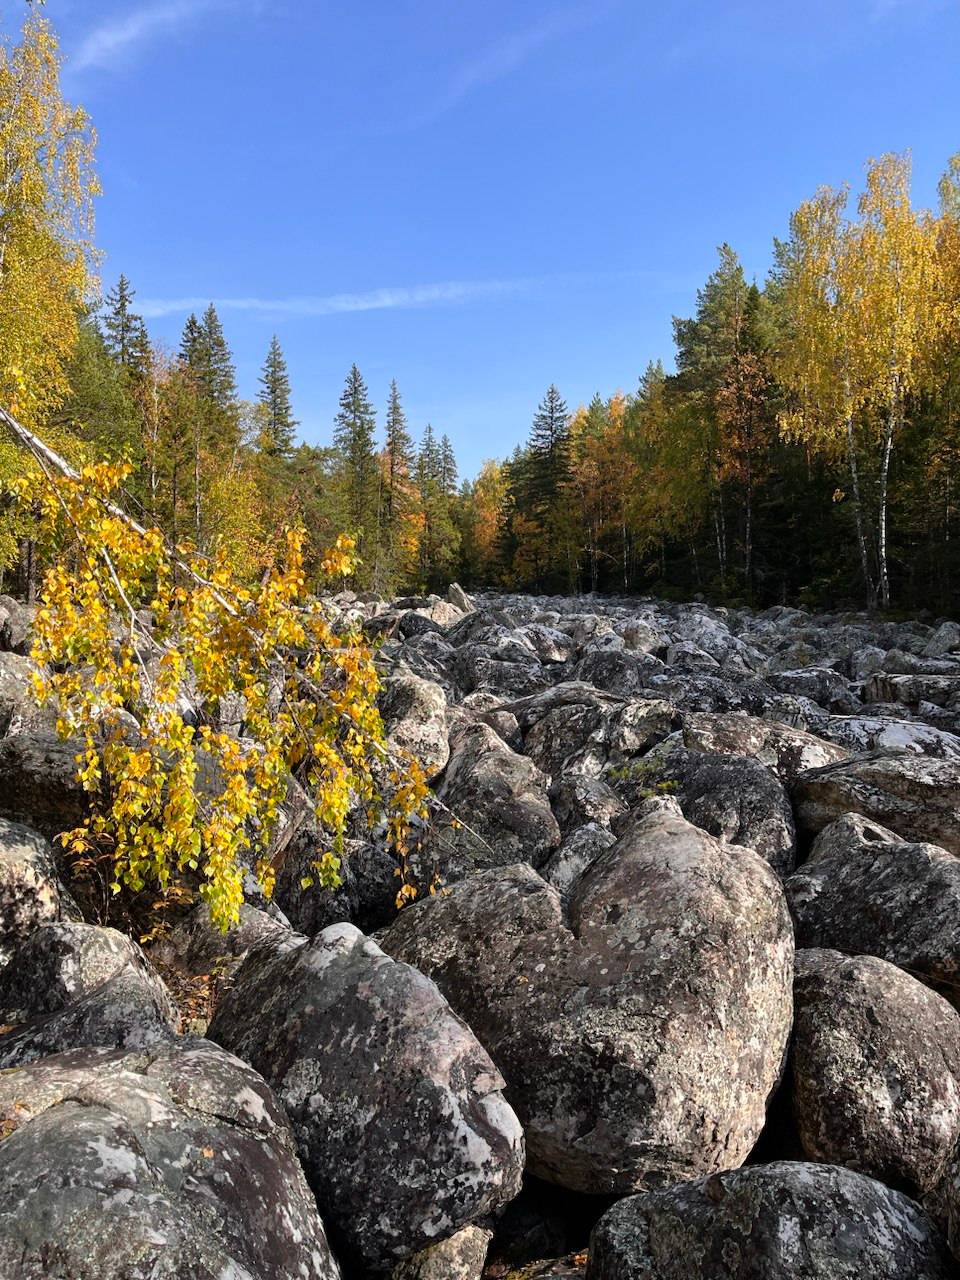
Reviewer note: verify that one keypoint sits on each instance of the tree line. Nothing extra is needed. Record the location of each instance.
(804, 448)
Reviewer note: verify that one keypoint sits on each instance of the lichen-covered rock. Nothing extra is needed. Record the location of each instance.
(70, 985)
(640, 1032)
(733, 797)
(175, 1163)
(461, 1257)
(589, 736)
(16, 623)
(397, 1110)
(887, 733)
(414, 714)
(783, 749)
(501, 802)
(916, 796)
(30, 890)
(575, 855)
(864, 891)
(824, 686)
(577, 800)
(875, 1069)
(19, 712)
(39, 784)
(783, 1221)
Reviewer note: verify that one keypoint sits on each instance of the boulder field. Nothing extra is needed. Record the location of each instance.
(678, 998)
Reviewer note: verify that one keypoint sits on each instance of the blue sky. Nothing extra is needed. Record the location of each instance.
(480, 197)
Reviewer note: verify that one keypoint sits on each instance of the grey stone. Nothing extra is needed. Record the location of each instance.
(916, 796)
(780, 1221)
(70, 985)
(641, 1033)
(866, 891)
(174, 1163)
(399, 1119)
(875, 1069)
(30, 890)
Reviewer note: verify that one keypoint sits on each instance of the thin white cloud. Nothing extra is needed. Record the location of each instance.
(127, 33)
(446, 293)
(882, 9)
(509, 55)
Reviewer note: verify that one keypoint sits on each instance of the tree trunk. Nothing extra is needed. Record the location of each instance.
(893, 414)
(28, 570)
(858, 511)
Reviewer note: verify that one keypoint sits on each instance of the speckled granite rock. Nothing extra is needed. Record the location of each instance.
(30, 890)
(866, 891)
(400, 1123)
(175, 1163)
(916, 796)
(70, 985)
(640, 1034)
(780, 1221)
(875, 1069)
(461, 1257)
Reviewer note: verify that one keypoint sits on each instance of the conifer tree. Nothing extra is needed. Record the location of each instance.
(279, 422)
(399, 500)
(124, 328)
(448, 467)
(549, 450)
(440, 538)
(354, 439)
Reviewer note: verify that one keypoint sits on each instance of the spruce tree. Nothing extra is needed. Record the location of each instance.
(274, 396)
(123, 327)
(448, 467)
(549, 449)
(354, 440)
(398, 498)
(440, 539)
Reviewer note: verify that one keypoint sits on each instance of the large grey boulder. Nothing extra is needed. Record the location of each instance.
(500, 806)
(586, 738)
(916, 796)
(174, 1163)
(16, 624)
(19, 712)
(781, 1221)
(642, 1029)
(887, 733)
(578, 852)
(461, 1257)
(733, 797)
(780, 747)
(875, 1069)
(30, 889)
(39, 784)
(578, 800)
(414, 714)
(865, 891)
(70, 985)
(399, 1119)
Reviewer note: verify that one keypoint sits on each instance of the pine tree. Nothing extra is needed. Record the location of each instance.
(215, 426)
(549, 450)
(440, 538)
(448, 467)
(399, 500)
(280, 424)
(124, 328)
(354, 439)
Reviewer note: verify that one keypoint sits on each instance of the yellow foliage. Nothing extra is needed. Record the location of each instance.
(173, 799)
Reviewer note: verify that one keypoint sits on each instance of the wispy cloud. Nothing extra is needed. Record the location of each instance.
(445, 294)
(128, 32)
(509, 55)
(882, 9)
